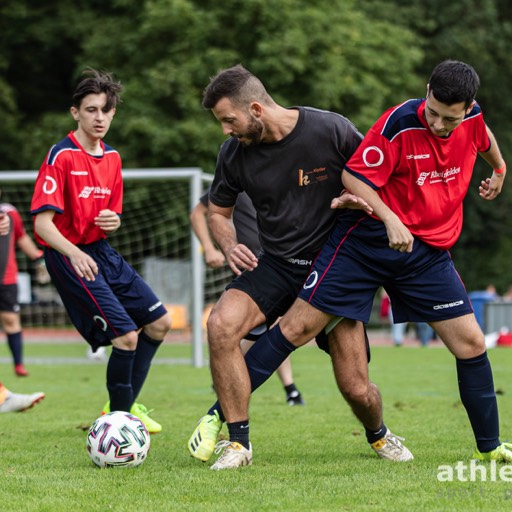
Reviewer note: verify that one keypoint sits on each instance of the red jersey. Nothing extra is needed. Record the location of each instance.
(8, 264)
(422, 178)
(78, 186)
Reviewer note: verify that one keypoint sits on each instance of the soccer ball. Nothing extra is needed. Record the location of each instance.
(118, 439)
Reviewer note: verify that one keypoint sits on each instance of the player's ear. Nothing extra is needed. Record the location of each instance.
(74, 113)
(255, 109)
(470, 108)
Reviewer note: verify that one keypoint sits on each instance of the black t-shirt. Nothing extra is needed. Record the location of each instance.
(244, 219)
(291, 182)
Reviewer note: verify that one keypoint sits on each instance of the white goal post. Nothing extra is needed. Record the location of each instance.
(155, 237)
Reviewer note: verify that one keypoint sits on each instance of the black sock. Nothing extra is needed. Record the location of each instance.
(477, 394)
(144, 353)
(239, 432)
(290, 389)
(374, 435)
(119, 379)
(15, 343)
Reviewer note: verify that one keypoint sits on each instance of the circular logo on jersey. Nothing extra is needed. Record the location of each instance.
(311, 280)
(102, 324)
(50, 185)
(373, 156)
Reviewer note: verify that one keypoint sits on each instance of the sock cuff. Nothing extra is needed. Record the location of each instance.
(276, 338)
(473, 360)
(143, 336)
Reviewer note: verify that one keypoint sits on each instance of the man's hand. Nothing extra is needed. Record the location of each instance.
(5, 224)
(241, 257)
(108, 221)
(351, 201)
(491, 187)
(83, 264)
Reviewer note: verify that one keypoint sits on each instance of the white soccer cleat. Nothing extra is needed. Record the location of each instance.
(234, 455)
(390, 447)
(16, 402)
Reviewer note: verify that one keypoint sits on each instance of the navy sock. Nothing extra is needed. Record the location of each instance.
(239, 432)
(476, 388)
(16, 346)
(267, 355)
(119, 379)
(290, 389)
(263, 359)
(373, 436)
(144, 353)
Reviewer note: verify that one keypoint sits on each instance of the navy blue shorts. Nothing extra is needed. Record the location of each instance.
(117, 302)
(356, 261)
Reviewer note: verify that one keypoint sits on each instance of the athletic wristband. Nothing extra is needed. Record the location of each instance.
(501, 170)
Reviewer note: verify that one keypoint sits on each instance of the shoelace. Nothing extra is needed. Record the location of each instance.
(143, 409)
(220, 445)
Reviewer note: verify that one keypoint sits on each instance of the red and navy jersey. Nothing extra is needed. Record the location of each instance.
(8, 265)
(78, 186)
(419, 176)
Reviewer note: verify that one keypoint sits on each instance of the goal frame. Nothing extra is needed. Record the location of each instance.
(196, 177)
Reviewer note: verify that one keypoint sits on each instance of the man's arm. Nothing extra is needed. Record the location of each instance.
(400, 238)
(212, 256)
(238, 256)
(491, 187)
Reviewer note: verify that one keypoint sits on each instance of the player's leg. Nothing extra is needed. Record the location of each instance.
(284, 372)
(11, 323)
(465, 340)
(146, 311)
(349, 354)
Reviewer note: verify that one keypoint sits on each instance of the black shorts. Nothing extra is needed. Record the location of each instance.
(273, 285)
(9, 298)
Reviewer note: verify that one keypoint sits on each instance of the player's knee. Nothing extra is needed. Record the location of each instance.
(159, 328)
(126, 342)
(356, 392)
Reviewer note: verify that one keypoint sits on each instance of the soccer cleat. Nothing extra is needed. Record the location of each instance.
(294, 398)
(234, 455)
(390, 447)
(20, 371)
(16, 402)
(501, 454)
(201, 444)
(142, 413)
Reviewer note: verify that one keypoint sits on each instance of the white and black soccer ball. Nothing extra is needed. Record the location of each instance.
(118, 439)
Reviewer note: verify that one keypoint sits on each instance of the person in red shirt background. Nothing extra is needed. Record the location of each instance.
(10, 317)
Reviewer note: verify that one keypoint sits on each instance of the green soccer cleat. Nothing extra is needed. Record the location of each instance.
(201, 444)
(142, 413)
(501, 454)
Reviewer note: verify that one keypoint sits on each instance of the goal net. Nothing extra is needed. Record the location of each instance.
(155, 237)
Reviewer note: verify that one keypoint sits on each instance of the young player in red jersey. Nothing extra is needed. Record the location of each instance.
(414, 168)
(77, 202)
(9, 307)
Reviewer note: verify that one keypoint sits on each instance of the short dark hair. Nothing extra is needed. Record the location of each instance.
(238, 85)
(453, 81)
(96, 83)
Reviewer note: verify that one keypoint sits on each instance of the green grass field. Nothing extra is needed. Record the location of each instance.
(305, 458)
